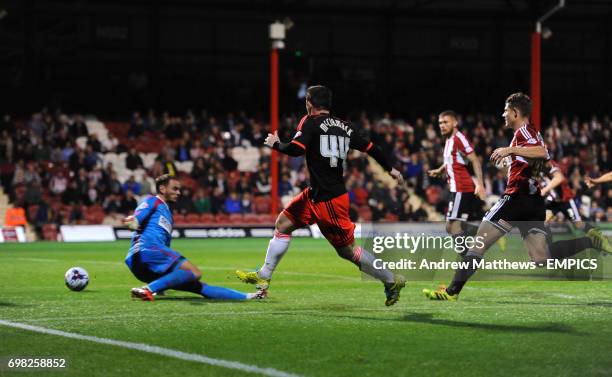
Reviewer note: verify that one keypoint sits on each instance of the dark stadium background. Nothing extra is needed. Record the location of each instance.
(408, 57)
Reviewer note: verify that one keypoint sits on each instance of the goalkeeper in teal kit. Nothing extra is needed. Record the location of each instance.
(151, 259)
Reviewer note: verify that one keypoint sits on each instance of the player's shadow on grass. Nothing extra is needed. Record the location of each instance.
(545, 327)
(8, 304)
(597, 304)
(429, 318)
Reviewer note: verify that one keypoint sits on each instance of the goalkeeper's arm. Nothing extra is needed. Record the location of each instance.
(131, 222)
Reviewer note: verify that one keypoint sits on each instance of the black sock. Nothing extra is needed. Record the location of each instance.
(191, 286)
(549, 237)
(469, 229)
(548, 230)
(567, 248)
(462, 236)
(462, 275)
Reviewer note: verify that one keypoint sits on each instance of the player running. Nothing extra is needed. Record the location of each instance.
(522, 205)
(465, 195)
(325, 140)
(152, 261)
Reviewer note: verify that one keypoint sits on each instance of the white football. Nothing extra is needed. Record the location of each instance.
(76, 278)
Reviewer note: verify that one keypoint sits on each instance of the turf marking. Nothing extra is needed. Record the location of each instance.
(155, 350)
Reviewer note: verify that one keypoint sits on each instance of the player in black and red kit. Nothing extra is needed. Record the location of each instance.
(522, 205)
(325, 140)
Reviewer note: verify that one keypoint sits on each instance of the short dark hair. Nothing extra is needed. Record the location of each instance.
(319, 96)
(449, 113)
(163, 180)
(521, 102)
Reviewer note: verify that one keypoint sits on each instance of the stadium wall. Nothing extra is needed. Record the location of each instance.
(97, 233)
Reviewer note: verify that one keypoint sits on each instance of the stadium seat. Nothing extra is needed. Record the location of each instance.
(179, 219)
(189, 182)
(96, 208)
(262, 204)
(236, 218)
(82, 142)
(365, 213)
(192, 218)
(250, 218)
(221, 218)
(247, 158)
(93, 217)
(7, 168)
(184, 166)
(390, 217)
(207, 218)
(266, 219)
(148, 159)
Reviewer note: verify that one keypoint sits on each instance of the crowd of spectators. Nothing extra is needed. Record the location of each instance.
(43, 169)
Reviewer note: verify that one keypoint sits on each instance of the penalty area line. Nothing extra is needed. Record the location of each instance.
(154, 350)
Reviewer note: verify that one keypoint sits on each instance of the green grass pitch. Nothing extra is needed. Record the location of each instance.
(321, 319)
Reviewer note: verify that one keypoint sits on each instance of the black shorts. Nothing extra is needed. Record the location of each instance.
(569, 209)
(526, 212)
(464, 206)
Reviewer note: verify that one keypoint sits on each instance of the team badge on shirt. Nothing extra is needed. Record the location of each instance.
(164, 223)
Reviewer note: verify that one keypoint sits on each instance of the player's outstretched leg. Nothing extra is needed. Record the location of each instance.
(365, 261)
(220, 293)
(277, 247)
(208, 291)
(566, 248)
(186, 277)
(599, 241)
(184, 272)
(489, 235)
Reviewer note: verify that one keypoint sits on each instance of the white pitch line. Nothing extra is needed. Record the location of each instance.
(155, 350)
(39, 259)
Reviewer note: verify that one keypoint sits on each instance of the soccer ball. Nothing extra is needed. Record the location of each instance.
(76, 278)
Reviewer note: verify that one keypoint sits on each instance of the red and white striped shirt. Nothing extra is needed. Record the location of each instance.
(521, 177)
(456, 149)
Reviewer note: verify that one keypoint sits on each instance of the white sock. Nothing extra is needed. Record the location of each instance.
(276, 249)
(366, 264)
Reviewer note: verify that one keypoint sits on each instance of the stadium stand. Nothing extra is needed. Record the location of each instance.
(73, 170)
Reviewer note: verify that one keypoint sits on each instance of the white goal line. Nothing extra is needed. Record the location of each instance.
(154, 350)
